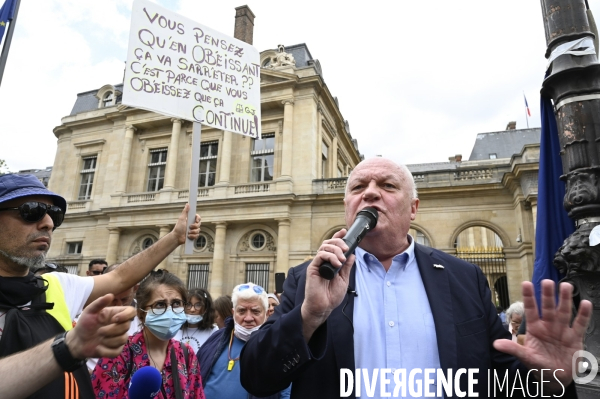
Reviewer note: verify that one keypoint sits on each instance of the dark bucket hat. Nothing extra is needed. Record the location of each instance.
(16, 186)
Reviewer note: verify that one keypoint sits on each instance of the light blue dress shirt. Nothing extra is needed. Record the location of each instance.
(393, 324)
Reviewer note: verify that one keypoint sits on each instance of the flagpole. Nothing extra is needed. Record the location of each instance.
(526, 110)
(9, 34)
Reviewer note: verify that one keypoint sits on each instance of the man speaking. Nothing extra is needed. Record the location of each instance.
(397, 305)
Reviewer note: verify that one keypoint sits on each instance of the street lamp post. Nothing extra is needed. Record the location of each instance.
(573, 83)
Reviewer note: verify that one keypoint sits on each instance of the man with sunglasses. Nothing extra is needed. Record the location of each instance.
(397, 309)
(46, 306)
(96, 267)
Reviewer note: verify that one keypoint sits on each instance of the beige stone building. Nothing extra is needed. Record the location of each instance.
(484, 209)
(267, 204)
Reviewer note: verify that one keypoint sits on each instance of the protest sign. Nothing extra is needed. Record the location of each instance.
(178, 67)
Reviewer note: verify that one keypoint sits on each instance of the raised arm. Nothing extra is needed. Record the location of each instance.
(551, 340)
(100, 332)
(135, 268)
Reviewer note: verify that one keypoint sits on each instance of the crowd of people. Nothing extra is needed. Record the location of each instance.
(393, 304)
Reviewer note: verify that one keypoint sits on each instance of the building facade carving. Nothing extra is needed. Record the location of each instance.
(282, 59)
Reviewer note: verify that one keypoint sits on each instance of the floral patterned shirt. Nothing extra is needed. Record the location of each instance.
(111, 378)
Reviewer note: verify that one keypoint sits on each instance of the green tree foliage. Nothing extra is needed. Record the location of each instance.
(3, 167)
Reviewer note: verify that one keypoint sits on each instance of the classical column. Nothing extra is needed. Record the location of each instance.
(283, 245)
(334, 157)
(225, 171)
(172, 155)
(164, 230)
(125, 159)
(533, 203)
(114, 233)
(320, 172)
(216, 282)
(286, 151)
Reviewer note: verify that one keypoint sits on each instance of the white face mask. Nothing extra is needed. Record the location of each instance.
(193, 319)
(242, 332)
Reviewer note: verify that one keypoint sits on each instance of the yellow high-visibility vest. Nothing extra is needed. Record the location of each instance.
(56, 295)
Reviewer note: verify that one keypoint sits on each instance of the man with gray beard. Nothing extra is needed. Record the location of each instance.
(34, 309)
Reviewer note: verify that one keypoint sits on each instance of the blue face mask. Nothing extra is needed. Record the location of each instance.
(166, 325)
(194, 319)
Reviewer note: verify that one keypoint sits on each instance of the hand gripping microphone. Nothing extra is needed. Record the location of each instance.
(365, 221)
(145, 383)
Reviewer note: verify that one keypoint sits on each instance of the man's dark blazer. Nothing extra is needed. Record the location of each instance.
(465, 318)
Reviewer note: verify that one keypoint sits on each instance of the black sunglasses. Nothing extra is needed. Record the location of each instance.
(34, 211)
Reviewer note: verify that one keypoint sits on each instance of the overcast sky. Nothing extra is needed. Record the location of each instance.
(417, 80)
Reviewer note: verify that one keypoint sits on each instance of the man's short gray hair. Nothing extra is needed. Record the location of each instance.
(411, 181)
(515, 309)
(248, 292)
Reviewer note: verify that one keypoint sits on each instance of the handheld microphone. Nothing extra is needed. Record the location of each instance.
(365, 221)
(145, 383)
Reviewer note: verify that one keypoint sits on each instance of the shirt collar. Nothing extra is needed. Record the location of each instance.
(364, 258)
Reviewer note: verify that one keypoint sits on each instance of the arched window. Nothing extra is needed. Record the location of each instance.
(108, 96)
(483, 247)
(420, 237)
(478, 237)
(108, 99)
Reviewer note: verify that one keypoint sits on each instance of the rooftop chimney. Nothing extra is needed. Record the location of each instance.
(511, 125)
(244, 24)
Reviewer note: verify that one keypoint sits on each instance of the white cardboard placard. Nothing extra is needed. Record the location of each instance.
(178, 67)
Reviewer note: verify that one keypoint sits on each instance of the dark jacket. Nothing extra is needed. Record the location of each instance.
(25, 329)
(466, 324)
(210, 351)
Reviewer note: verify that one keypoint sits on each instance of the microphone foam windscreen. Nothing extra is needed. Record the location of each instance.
(145, 383)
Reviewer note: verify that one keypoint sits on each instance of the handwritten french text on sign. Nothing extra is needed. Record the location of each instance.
(180, 68)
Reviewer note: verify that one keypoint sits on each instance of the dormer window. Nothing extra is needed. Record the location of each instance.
(108, 99)
(108, 96)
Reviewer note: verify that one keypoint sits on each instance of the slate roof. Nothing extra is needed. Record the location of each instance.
(504, 143)
(87, 101)
(300, 53)
(42, 174)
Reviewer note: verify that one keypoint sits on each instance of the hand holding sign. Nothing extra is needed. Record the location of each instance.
(180, 68)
